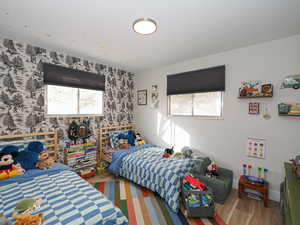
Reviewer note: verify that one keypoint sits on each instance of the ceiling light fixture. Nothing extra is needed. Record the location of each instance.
(144, 26)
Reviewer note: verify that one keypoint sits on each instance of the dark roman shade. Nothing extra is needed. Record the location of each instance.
(63, 76)
(204, 80)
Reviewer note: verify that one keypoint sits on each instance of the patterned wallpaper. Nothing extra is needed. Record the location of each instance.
(22, 93)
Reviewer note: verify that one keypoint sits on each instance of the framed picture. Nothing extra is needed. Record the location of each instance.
(142, 97)
(267, 90)
(154, 97)
(254, 108)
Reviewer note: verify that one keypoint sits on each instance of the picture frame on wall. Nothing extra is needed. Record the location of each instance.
(142, 97)
(253, 108)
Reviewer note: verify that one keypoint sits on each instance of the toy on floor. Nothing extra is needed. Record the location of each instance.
(212, 170)
(45, 161)
(168, 152)
(193, 183)
(8, 167)
(139, 140)
(28, 219)
(28, 206)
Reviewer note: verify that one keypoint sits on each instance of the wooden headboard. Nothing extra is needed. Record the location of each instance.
(104, 142)
(50, 138)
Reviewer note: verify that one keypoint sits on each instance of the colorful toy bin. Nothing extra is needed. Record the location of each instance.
(198, 203)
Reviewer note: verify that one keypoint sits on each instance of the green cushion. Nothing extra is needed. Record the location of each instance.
(200, 165)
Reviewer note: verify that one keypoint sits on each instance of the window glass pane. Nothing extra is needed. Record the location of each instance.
(181, 104)
(61, 100)
(90, 101)
(208, 104)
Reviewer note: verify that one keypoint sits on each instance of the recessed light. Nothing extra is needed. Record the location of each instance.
(144, 26)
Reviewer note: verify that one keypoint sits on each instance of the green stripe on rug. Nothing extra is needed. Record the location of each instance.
(123, 207)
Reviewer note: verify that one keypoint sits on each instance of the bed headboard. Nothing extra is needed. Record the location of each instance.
(104, 142)
(50, 138)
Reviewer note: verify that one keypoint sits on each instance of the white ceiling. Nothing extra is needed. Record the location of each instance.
(101, 30)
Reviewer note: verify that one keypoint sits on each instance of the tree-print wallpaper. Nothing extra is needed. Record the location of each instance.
(22, 93)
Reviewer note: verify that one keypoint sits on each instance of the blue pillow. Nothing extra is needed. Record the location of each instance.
(30, 156)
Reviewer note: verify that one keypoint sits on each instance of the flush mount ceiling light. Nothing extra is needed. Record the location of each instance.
(144, 26)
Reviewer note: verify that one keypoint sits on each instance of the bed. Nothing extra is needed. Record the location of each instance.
(145, 166)
(66, 198)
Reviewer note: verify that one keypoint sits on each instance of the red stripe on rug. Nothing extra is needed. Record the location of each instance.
(219, 220)
(131, 213)
(102, 186)
(198, 221)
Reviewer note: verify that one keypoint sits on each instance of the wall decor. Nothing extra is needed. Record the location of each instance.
(291, 81)
(256, 147)
(154, 96)
(22, 92)
(267, 90)
(142, 97)
(253, 108)
(289, 109)
(255, 89)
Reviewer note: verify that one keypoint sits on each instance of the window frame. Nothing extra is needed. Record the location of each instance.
(221, 117)
(78, 99)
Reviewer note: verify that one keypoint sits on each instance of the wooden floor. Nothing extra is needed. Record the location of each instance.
(235, 211)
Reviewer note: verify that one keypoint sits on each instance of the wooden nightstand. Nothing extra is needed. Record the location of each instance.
(262, 188)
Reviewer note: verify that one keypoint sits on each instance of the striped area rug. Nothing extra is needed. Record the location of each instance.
(143, 207)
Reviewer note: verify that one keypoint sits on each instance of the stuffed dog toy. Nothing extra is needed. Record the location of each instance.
(45, 161)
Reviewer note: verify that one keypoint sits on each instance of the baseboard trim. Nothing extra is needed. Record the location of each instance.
(273, 194)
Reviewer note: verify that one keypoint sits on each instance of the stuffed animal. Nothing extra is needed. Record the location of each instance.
(187, 152)
(28, 219)
(178, 155)
(212, 170)
(45, 161)
(123, 143)
(139, 140)
(168, 152)
(27, 206)
(8, 167)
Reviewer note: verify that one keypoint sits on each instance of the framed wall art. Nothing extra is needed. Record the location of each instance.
(142, 97)
(154, 96)
(253, 108)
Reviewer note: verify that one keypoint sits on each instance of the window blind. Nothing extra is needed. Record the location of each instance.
(204, 80)
(63, 76)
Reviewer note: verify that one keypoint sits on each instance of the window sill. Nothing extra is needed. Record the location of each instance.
(198, 117)
(75, 115)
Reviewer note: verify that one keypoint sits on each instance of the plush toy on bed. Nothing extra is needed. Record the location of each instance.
(212, 170)
(139, 140)
(168, 152)
(123, 143)
(45, 161)
(28, 219)
(8, 167)
(187, 152)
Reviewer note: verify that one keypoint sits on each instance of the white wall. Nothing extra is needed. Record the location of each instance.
(225, 140)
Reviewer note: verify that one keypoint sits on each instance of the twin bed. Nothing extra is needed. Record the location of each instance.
(68, 199)
(146, 166)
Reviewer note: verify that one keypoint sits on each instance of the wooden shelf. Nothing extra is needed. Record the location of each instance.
(289, 115)
(255, 96)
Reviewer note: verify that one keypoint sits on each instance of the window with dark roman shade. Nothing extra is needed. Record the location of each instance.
(62, 76)
(204, 80)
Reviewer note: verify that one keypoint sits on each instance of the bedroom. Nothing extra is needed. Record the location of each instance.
(82, 61)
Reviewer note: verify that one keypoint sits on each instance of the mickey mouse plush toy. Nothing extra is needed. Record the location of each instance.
(8, 168)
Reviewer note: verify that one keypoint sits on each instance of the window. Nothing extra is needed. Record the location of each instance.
(197, 104)
(73, 101)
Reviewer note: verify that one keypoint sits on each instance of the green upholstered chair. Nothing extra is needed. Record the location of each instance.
(221, 185)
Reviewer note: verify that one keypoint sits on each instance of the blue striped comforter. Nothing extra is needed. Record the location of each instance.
(148, 168)
(67, 199)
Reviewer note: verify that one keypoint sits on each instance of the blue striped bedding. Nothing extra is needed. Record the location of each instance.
(146, 167)
(67, 198)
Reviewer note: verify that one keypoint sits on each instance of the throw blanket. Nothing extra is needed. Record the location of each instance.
(148, 168)
(66, 198)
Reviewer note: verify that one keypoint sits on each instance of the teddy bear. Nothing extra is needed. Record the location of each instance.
(123, 143)
(28, 219)
(8, 167)
(45, 161)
